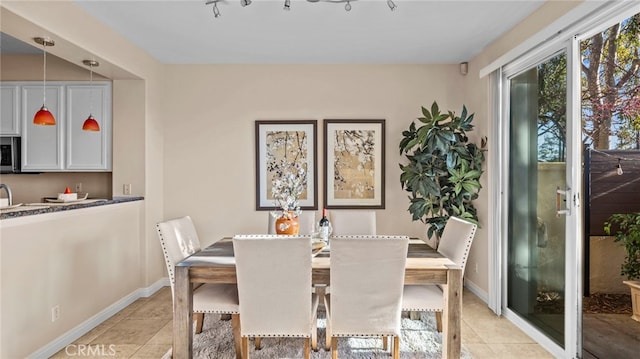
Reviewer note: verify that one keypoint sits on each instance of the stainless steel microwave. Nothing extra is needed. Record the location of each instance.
(10, 151)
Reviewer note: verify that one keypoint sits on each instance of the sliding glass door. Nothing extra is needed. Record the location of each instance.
(541, 216)
(536, 241)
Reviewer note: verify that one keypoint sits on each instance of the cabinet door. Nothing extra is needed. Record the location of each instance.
(88, 150)
(41, 145)
(9, 106)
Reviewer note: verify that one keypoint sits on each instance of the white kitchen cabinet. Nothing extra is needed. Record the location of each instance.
(65, 146)
(88, 150)
(9, 110)
(42, 145)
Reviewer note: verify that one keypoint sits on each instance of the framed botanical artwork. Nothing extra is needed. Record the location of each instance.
(354, 164)
(286, 170)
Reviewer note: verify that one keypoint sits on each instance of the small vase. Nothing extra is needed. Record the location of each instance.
(288, 224)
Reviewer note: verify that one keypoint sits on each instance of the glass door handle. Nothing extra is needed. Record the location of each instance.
(567, 207)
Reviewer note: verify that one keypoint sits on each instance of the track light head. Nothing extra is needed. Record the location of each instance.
(347, 6)
(287, 5)
(392, 5)
(245, 3)
(216, 11)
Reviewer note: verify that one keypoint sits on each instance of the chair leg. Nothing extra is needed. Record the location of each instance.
(199, 317)
(334, 348)
(307, 348)
(414, 315)
(385, 347)
(235, 324)
(327, 340)
(439, 322)
(257, 341)
(245, 348)
(314, 331)
(314, 339)
(396, 347)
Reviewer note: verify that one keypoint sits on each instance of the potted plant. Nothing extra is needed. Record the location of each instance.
(628, 233)
(443, 171)
(289, 182)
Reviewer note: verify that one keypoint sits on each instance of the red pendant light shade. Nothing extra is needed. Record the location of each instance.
(90, 124)
(43, 116)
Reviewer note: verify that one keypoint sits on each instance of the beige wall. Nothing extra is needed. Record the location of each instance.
(603, 276)
(29, 68)
(82, 261)
(210, 111)
(31, 188)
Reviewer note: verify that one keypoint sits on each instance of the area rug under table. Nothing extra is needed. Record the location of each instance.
(419, 340)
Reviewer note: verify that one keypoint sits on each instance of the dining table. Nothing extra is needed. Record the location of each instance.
(216, 264)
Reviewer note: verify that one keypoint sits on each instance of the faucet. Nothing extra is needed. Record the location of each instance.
(8, 190)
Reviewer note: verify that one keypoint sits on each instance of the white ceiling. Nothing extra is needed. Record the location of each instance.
(318, 32)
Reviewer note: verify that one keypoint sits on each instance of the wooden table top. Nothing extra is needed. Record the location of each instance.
(216, 264)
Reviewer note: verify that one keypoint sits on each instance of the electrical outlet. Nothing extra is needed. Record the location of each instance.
(55, 313)
(127, 189)
(476, 269)
(78, 187)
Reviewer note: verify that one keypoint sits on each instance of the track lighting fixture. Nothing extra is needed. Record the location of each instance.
(287, 4)
(392, 5)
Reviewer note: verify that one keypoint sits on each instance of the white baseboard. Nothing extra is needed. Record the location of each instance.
(473, 288)
(148, 291)
(67, 338)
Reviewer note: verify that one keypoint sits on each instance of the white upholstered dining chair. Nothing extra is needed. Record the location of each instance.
(274, 288)
(455, 243)
(307, 220)
(355, 307)
(353, 222)
(179, 239)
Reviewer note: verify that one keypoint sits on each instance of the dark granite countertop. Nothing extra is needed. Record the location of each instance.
(56, 207)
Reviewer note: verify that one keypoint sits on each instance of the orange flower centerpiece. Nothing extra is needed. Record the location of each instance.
(289, 182)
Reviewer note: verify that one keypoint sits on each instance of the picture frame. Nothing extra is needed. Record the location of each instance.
(278, 140)
(354, 160)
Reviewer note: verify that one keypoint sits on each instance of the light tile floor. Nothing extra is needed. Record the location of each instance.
(144, 330)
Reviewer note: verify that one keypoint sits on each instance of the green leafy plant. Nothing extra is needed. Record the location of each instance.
(443, 173)
(628, 233)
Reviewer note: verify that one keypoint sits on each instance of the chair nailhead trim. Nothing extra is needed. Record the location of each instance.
(361, 335)
(217, 311)
(276, 335)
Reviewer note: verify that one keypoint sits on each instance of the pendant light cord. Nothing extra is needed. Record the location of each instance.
(90, 90)
(44, 76)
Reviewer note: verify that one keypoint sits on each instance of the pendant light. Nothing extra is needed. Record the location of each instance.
(90, 124)
(43, 116)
